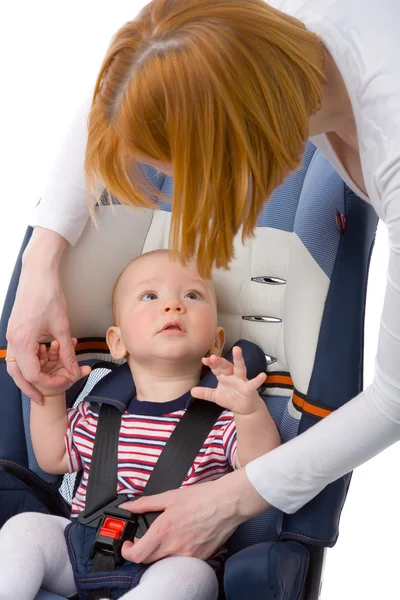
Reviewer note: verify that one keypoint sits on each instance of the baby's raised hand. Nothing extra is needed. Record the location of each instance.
(50, 364)
(234, 391)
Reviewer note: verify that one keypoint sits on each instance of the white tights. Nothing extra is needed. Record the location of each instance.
(34, 555)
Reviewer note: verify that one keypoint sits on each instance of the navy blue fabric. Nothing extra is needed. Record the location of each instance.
(338, 368)
(16, 497)
(156, 409)
(14, 477)
(12, 435)
(267, 571)
(80, 539)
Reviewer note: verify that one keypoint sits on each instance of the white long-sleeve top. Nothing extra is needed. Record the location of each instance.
(363, 39)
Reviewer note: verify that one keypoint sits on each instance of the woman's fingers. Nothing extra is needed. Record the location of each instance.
(67, 353)
(142, 551)
(85, 371)
(24, 385)
(195, 520)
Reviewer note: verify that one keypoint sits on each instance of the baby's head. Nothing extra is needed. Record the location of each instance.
(163, 310)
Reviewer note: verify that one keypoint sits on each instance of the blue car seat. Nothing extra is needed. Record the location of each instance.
(297, 289)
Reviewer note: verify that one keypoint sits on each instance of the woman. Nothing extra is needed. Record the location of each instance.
(223, 94)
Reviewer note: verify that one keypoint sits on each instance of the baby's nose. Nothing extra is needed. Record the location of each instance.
(173, 304)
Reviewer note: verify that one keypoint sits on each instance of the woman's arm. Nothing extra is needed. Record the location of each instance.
(39, 311)
(293, 474)
(64, 205)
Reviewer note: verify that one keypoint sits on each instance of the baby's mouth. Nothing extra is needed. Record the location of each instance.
(173, 326)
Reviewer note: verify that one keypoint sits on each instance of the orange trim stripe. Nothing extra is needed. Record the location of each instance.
(84, 346)
(94, 346)
(283, 379)
(302, 404)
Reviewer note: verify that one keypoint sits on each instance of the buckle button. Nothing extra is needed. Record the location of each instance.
(112, 528)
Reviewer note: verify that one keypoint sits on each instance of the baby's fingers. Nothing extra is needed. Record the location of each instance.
(203, 393)
(257, 382)
(218, 365)
(42, 354)
(53, 351)
(238, 363)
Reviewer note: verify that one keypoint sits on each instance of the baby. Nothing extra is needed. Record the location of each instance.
(165, 325)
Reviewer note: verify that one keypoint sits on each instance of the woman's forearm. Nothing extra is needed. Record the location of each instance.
(45, 249)
(64, 206)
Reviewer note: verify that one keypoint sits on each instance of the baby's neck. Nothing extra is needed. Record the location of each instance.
(163, 384)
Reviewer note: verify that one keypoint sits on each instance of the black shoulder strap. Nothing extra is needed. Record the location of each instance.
(103, 475)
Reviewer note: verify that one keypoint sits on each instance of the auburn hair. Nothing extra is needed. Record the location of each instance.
(221, 89)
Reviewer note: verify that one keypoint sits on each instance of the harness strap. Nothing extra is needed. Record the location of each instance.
(103, 477)
(308, 406)
(103, 482)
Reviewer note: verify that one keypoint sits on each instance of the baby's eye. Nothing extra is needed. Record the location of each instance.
(193, 296)
(149, 296)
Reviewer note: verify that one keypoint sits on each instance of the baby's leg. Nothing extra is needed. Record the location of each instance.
(33, 554)
(177, 578)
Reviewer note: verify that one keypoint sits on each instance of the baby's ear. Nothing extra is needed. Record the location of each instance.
(115, 343)
(219, 342)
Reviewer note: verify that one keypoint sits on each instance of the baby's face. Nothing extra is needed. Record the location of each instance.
(165, 311)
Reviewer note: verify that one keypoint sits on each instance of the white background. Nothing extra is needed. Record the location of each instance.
(50, 53)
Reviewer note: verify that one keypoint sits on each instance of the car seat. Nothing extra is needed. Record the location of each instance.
(297, 289)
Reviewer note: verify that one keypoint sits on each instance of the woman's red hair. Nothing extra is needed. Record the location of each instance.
(223, 90)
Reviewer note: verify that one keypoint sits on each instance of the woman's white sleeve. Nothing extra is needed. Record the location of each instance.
(291, 475)
(64, 205)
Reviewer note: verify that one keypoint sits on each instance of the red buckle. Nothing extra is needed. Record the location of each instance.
(117, 526)
(112, 528)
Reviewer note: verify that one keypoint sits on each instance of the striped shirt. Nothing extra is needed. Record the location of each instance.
(145, 429)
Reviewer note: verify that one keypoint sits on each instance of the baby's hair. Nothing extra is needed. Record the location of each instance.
(161, 252)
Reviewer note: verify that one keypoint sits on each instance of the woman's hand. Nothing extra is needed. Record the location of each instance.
(196, 520)
(234, 391)
(51, 365)
(39, 312)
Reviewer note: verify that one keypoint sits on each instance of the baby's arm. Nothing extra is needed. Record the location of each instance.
(49, 426)
(256, 431)
(48, 421)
